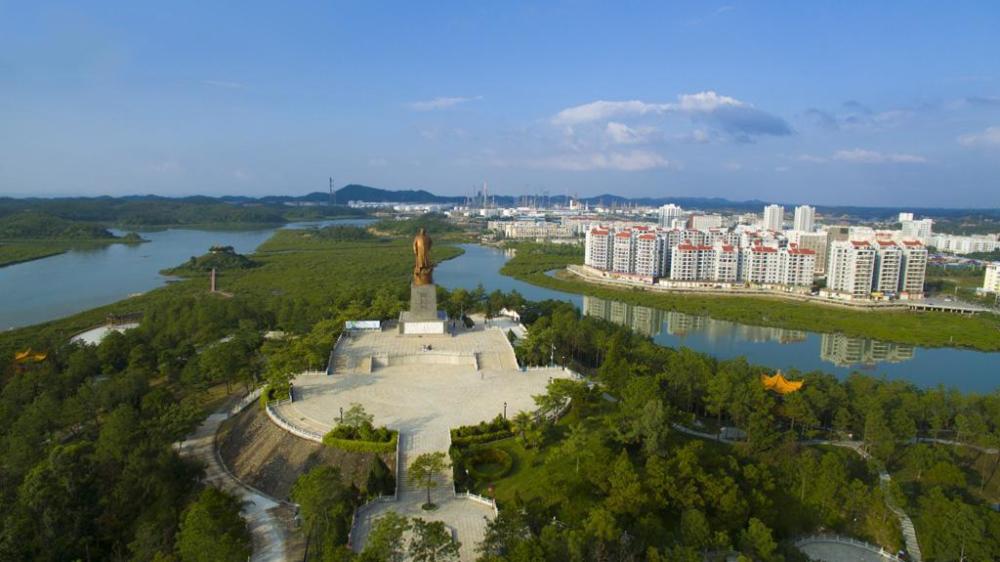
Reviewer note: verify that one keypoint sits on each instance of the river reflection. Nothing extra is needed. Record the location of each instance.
(836, 349)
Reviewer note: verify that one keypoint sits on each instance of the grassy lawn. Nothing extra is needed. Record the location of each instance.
(929, 329)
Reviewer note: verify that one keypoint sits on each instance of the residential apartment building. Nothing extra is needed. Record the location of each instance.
(797, 266)
(649, 260)
(690, 262)
(913, 269)
(623, 252)
(851, 269)
(888, 264)
(727, 264)
(774, 218)
(805, 217)
(598, 249)
(761, 265)
(991, 282)
(670, 213)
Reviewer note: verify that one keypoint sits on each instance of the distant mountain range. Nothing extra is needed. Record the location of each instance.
(356, 192)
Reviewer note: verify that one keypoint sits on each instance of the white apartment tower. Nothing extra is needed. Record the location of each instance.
(761, 265)
(913, 269)
(669, 213)
(649, 255)
(991, 283)
(623, 254)
(852, 266)
(774, 218)
(599, 250)
(888, 264)
(797, 266)
(805, 217)
(689, 262)
(727, 264)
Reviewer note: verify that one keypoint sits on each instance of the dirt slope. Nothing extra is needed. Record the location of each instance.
(270, 459)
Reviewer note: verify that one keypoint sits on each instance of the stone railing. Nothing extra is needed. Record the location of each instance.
(480, 499)
(250, 398)
(281, 422)
(885, 554)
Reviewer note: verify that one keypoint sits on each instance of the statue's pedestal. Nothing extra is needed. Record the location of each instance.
(423, 316)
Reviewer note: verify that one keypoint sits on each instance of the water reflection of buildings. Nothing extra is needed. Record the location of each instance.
(652, 321)
(844, 351)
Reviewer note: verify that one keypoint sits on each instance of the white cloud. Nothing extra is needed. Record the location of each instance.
(707, 102)
(441, 103)
(989, 137)
(601, 110)
(862, 156)
(378, 162)
(630, 161)
(620, 133)
(731, 115)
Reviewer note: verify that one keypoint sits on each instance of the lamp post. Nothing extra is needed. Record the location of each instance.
(505, 409)
(341, 414)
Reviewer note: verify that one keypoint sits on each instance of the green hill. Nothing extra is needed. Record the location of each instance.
(220, 258)
(32, 225)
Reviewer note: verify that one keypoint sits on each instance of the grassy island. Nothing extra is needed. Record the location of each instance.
(533, 262)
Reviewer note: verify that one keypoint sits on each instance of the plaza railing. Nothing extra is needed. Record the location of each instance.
(829, 538)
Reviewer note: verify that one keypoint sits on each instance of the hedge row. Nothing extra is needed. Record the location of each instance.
(354, 446)
(481, 438)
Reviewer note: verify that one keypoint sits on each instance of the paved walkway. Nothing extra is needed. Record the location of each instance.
(423, 401)
(841, 549)
(266, 530)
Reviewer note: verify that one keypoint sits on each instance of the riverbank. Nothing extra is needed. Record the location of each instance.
(532, 263)
(13, 252)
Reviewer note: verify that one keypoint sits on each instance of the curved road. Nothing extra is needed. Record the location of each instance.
(266, 528)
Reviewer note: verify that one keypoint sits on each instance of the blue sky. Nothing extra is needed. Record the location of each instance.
(868, 103)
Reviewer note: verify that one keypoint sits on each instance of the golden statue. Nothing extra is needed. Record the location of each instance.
(423, 269)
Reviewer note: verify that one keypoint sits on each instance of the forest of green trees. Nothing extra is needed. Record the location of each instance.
(88, 470)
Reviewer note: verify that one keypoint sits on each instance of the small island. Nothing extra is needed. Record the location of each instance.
(219, 258)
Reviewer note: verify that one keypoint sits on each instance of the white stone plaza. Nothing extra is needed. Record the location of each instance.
(422, 386)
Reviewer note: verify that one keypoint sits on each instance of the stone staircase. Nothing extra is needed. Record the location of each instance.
(905, 523)
(409, 450)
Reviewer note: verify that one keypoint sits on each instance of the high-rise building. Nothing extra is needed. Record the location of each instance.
(797, 266)
(851, 268)
(761, 265)
(912, 269)
(888, 264)
(689, 262)
(599, 249)
(623, 253)
(649, 255)
(805, 216)
(817, 242)
(705, 222)
(774, 218)
(669, 213)
(727, 264)
(920, 229)
(991, 282)
(904, 217)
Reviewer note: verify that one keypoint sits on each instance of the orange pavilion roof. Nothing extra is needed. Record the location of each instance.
(778, 383)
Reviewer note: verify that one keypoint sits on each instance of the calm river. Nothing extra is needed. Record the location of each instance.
(774, 347)
(50, 288)
(54, 287)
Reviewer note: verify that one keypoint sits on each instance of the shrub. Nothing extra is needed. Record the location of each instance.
(360, 446)
(488, 464)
